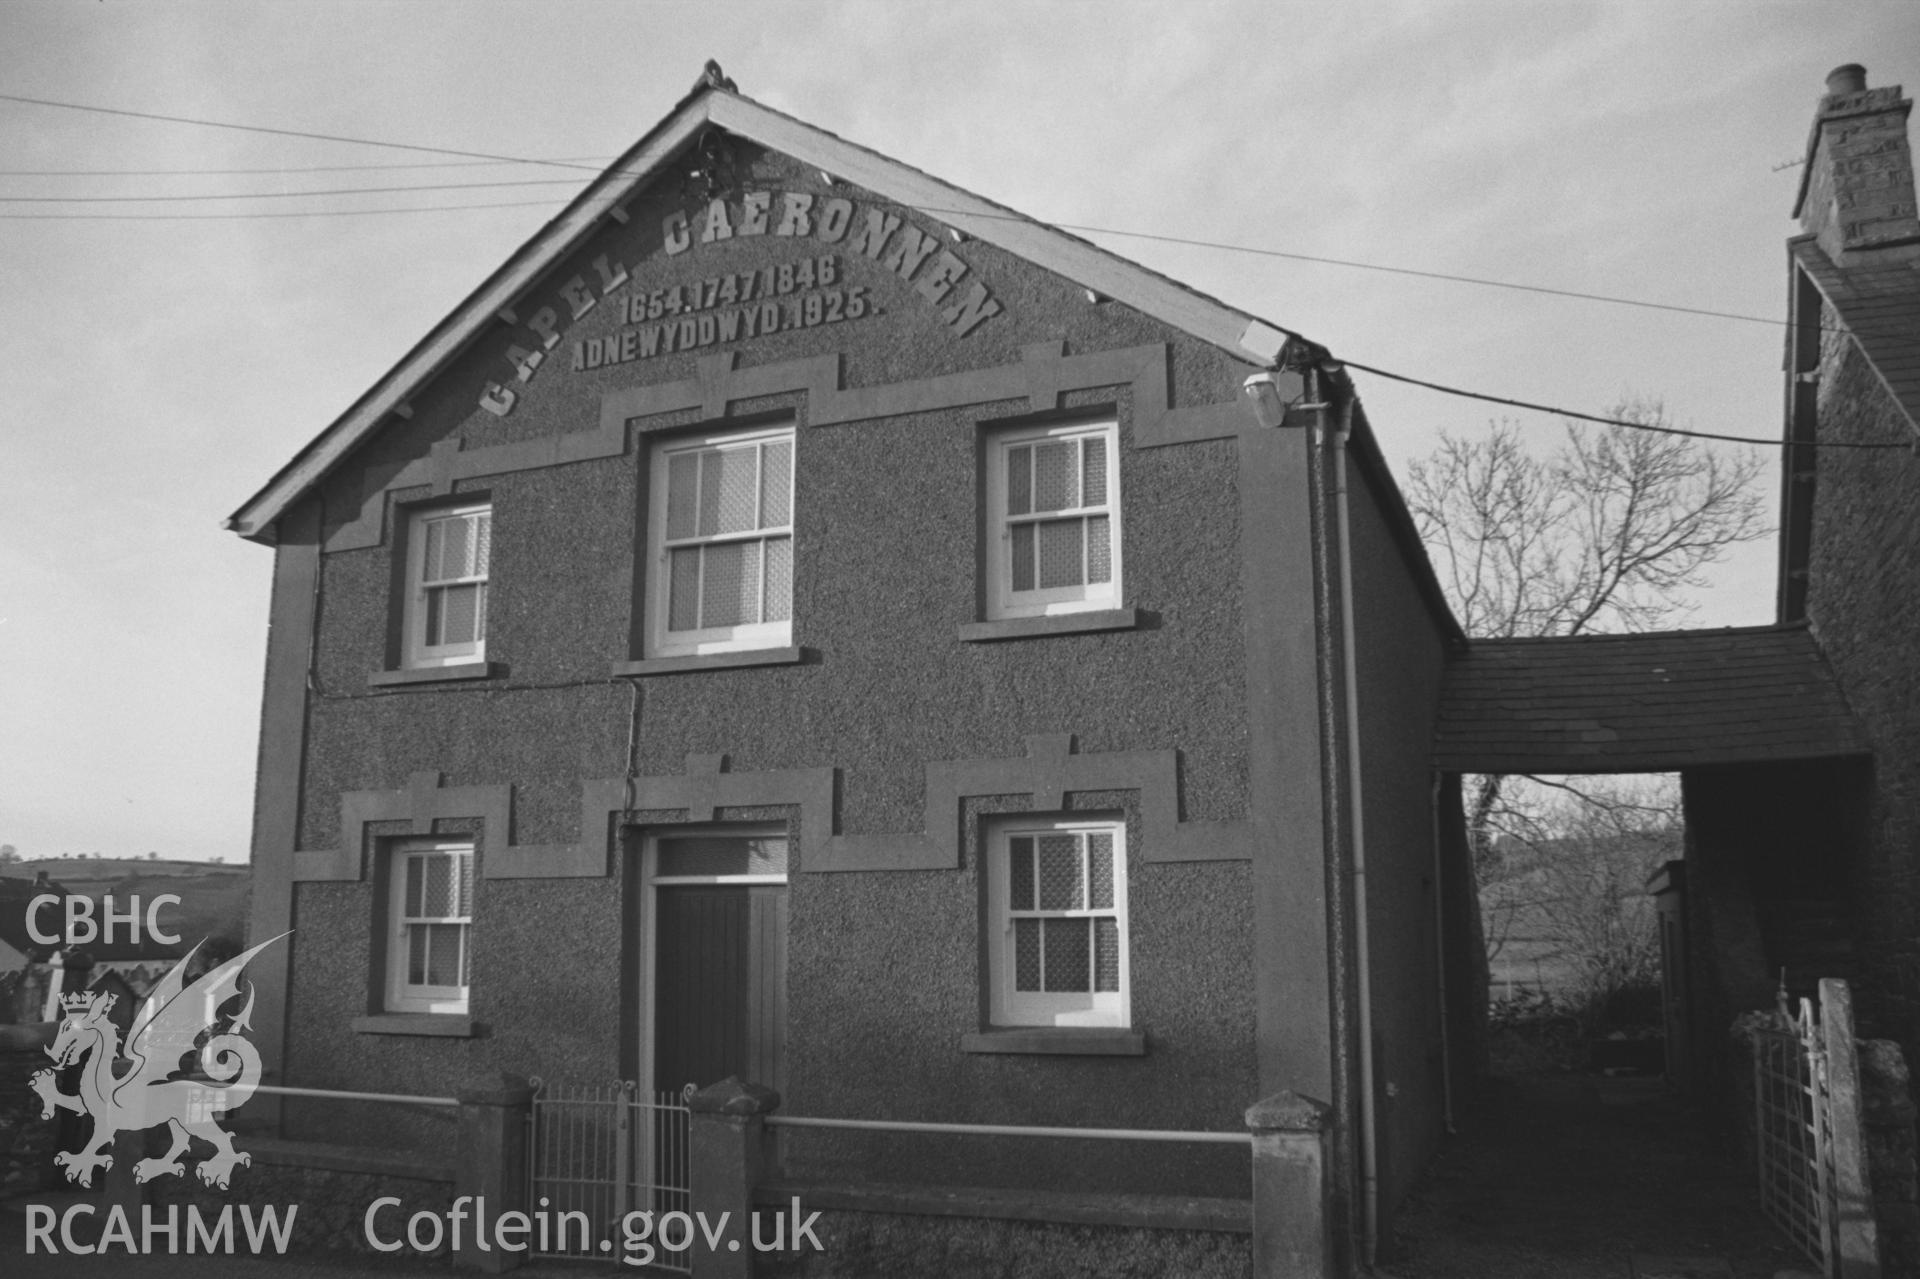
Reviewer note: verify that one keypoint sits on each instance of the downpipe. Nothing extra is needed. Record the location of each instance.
(1351, 993)
(1327, 710)
(1357, 868)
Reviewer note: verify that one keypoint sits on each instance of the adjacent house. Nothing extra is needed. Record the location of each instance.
(1798, 742)
(1850, 528)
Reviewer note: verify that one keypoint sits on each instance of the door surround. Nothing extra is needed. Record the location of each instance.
(648, 880)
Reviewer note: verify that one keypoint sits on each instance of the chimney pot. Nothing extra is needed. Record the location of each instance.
(1852, 78)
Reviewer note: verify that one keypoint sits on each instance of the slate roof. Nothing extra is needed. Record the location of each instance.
(1879, 302)
(1641, 703)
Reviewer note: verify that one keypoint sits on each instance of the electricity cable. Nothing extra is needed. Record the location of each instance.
(278, 169)
(294, 133)
(1218, 246)
(1008, 216)
(1617, 421)
(298, 213)
(1370, 266)
(282, 195)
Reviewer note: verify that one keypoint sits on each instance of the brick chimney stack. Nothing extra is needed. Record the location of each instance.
(1856, 190)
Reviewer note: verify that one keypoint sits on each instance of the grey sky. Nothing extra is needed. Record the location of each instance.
(157, 372)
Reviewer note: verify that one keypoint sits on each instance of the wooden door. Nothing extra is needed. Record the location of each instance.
(720, 990)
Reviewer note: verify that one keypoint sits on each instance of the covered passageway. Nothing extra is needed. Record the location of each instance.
(1774, 770)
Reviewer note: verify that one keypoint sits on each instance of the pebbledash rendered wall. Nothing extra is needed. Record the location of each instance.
(1228, 956)
(1863, 600)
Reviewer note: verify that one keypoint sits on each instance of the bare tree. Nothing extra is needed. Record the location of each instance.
(1608, 531)
(1573, 857)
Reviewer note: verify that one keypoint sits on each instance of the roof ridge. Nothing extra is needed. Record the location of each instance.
(1602, 636)
(1888, 338)
(1013, 214)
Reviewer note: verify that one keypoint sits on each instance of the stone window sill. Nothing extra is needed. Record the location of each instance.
(712, 661)
(442, 1025)
(436, 674)
(1012, 628)
(1065, 1041)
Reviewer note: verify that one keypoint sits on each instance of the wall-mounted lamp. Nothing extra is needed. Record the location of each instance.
(1262, 392)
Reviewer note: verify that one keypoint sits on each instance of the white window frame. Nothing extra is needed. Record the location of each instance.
(1002, 600)
(661, 642)
(417, 652)
(1010, 1007)
(402, 994)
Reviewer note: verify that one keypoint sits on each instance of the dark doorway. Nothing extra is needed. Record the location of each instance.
(720, 995)
(717, 907)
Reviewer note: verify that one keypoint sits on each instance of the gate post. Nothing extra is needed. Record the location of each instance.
(1855, 1232)
(492, 1171)
(727, 1143)
(1292, 1238)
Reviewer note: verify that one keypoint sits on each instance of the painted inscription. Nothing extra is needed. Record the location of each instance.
(726, 308)
(793, 295)
(882, 235)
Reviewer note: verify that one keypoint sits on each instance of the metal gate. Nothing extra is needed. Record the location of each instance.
(1793, 1126)
(1812, 1165)
(597, 1152)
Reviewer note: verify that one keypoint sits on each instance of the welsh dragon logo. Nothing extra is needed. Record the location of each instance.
(145, 1084)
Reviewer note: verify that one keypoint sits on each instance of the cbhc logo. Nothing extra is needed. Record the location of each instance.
(81, 928)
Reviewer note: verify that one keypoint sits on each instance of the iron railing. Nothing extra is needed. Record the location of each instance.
(1011, 1130)
(332, 1094)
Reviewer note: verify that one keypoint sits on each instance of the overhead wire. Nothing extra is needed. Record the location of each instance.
(1065, 226)
(277, 169)
(283, 195)
(294, 133)
(1501, 284)
(1218, 246)
(1376, 266)
(1617, 421)
(294, 213)
(1009, 216)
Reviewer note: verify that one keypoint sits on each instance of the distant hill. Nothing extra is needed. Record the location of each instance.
(72, 869)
